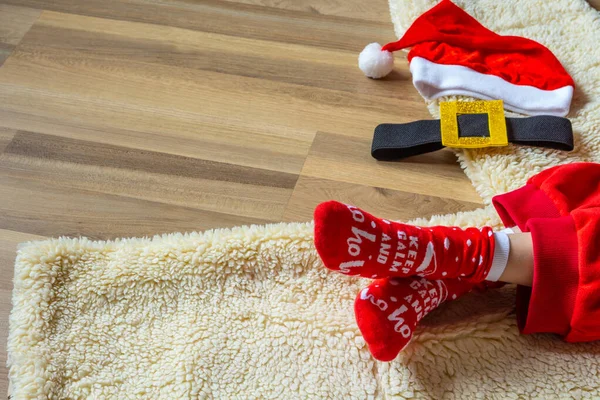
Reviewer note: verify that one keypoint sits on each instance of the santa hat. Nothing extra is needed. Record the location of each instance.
(453, 54)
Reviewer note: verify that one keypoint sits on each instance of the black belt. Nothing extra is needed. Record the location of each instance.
(396, 141)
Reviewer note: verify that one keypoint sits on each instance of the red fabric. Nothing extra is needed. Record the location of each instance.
(448, 35)
(355, 242)
(387, 312)
(565, 296)
(517, 207)
(555, 262)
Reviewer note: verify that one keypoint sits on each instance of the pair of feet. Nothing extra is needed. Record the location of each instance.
(415, 269)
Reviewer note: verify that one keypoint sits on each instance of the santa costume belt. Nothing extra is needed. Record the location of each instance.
(470, 125)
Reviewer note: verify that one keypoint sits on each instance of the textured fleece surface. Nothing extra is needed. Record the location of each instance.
(251, 313)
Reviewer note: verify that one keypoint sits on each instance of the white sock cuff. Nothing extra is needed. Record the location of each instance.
(501, 251)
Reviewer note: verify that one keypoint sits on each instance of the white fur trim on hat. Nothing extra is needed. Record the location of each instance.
(436, 80)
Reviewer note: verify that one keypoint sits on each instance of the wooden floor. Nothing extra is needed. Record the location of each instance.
(137, 117)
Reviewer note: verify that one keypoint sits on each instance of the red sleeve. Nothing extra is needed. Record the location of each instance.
(585, 321)
(552, 193)
(548, 305)
(517, 207)
(561, 209)
(571, 186)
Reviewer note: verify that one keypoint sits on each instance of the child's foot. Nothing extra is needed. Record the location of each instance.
(387, 312)
(354, 242)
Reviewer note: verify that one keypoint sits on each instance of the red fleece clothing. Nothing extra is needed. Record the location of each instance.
(561, 208)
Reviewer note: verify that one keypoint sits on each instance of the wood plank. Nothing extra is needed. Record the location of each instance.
(387, 203)
(278, 148)
(225, 189)
(148, 106)
(43, 147)
(39, 207)
(99, 97)
(348, 159)
(100, 100)
(359, 9)
(233, 19)
(125, 42)
(15, 21)
(6, 135)
(5, 51)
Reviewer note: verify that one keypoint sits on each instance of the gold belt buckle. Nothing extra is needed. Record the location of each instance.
(449, 112)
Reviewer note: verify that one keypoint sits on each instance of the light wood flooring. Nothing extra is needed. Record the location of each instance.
(138, 117)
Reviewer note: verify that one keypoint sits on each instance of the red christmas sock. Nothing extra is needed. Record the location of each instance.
(387, 312)
(354, 242)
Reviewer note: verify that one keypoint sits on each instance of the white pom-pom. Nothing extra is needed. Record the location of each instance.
(374, 62)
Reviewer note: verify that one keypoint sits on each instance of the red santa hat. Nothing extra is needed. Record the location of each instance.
(453, 54)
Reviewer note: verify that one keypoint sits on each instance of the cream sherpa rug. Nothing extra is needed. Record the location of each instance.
(251, 313)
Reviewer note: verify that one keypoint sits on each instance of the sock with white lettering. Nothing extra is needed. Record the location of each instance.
(387, 312)
(354, 242)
